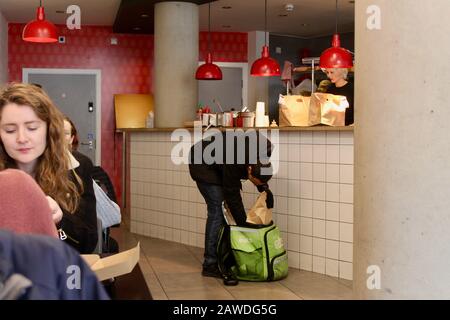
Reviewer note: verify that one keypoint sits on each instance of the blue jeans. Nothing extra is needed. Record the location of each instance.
(213, 195)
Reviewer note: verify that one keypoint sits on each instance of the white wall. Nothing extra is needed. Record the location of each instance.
(313, 197)
(3, 49)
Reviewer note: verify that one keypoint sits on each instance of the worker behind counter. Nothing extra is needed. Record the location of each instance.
(342, 87)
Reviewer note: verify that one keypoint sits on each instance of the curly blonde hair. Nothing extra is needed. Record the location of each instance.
(51, 171)
(342, 72)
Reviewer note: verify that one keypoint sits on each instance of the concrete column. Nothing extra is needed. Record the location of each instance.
(402, 150)
(258, 87)
(176, 60)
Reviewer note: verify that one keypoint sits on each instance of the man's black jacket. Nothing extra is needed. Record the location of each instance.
(239, 149)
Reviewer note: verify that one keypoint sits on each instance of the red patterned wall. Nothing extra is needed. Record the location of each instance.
(225, 46)
(126, 68)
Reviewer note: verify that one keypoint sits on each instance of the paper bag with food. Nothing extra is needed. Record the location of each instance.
(293, 110)
(328, 109)
(259, 213)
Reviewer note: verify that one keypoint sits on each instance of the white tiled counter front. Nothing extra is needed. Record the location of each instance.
(313, 196)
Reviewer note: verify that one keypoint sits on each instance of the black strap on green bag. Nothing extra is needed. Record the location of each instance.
(225, 257)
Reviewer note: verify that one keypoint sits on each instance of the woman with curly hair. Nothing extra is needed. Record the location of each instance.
(32, 140)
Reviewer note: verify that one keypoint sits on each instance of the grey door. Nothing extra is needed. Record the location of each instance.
(75, 96)
(227, 91)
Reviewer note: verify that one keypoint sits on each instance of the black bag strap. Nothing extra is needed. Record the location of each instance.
(225, 257)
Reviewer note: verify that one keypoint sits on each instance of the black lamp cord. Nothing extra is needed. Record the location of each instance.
(337, 14)
(209, 27)
(265, 22)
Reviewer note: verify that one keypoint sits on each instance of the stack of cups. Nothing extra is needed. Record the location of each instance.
(260, 117)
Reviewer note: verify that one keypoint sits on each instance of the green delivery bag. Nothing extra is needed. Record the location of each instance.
(259, 253)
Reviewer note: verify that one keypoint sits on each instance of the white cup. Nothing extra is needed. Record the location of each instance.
(260, 108)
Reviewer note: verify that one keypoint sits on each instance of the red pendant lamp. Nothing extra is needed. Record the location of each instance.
(336, 56)
(265, 66)
(40, 30)
(209, 70)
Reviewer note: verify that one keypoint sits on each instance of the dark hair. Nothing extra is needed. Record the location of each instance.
(263, 172)
(73, 133)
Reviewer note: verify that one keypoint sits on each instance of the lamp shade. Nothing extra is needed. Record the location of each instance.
(336, 56)
(265, 66)
(208, 70)
(40, 30)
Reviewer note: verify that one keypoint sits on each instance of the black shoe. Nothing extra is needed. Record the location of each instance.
(211, 271)
(229, 280)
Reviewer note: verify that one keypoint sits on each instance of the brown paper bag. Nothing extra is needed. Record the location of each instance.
(328, 109)
(259, 213)
(293, 110)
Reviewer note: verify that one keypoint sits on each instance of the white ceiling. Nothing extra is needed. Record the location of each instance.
(244, 16)
(248, 15)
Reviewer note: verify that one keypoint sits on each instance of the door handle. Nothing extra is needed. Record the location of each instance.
(90, 143)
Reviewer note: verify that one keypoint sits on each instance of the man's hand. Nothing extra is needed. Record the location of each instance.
(269, 199)
(55, 210)
(254, 180)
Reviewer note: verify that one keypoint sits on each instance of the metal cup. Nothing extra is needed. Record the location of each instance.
(227, 119)
(213, 119)
(248, 119)
(205, 119)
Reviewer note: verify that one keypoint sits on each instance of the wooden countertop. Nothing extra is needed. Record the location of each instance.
(313, 128)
